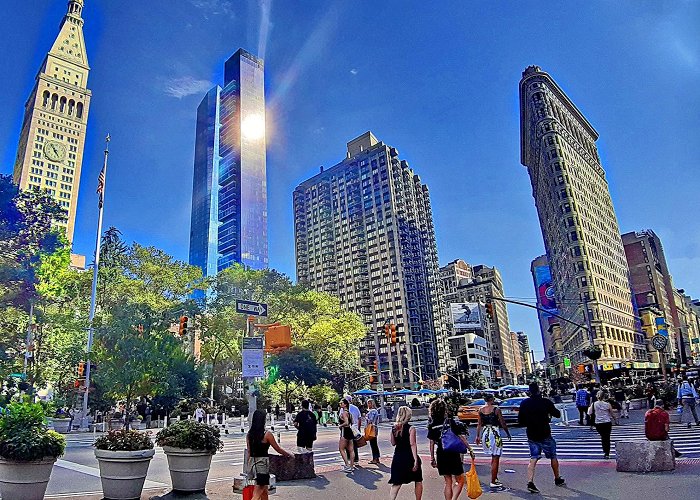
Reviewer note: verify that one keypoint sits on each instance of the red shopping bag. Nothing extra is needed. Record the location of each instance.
(248, 492)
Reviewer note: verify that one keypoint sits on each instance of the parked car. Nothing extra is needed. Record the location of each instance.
(470, 412)
(510, 409)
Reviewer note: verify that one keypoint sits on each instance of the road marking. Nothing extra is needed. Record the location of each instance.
(95, 472)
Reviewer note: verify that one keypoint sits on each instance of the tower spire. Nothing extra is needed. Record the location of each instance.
(75, 9)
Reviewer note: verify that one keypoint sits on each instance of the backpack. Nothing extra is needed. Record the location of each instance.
(686, 390)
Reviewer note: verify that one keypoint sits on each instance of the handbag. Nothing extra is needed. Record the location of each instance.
(370, 432)
(355, 432)
(257, 465)
(451, 442)
(473, 484)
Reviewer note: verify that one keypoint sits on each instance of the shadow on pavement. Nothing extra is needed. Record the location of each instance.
(172, 495)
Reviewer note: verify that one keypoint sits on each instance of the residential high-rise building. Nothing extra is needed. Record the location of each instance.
(581, 234)
(519, 369)
(525, 352)
(484, 282)
(650, 279)
(50, 152)
(229, 192)
(364, 232)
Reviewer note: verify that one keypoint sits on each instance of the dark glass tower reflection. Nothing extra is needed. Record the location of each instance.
(229, 195)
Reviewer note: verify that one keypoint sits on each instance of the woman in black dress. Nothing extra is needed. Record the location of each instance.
(448, 463)
(406, 466)
(345, 444)
(258, 442)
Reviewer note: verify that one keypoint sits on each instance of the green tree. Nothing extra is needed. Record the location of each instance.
(297, 367)
(28, 233)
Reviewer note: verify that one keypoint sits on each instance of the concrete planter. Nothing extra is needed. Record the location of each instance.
(115, 424)
(123, 472)
(61, 425)
(137, 426)
(189, 469)
(24, 480)
(637, 404)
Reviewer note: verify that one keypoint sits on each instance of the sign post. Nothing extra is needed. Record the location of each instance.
(252, 352)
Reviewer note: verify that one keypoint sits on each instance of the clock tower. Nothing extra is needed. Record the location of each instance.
(50, 152)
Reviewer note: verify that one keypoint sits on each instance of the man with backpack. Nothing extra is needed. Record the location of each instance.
(687, 396)
(306, 424)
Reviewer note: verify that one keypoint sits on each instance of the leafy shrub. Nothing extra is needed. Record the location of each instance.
(24, 435)
(123, 440)
(191, 434)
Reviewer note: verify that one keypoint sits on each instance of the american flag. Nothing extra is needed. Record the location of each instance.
(101, 177)
(101, 185)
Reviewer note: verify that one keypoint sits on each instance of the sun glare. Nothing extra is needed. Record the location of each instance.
(253, 127)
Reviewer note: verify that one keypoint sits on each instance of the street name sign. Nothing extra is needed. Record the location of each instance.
(251, 308)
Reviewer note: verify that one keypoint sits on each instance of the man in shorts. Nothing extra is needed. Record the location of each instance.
(535, 414)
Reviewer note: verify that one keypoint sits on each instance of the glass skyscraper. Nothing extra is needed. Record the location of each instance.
(229, 193)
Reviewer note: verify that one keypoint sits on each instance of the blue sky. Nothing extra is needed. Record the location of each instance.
(437, 80)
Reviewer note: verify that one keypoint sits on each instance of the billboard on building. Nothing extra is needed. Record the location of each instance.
(545, 290)
(466, 315)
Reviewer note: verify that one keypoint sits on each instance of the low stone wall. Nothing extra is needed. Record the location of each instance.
(301, 466)
(645, 456)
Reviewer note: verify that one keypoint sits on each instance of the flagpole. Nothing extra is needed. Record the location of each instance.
(95, 269)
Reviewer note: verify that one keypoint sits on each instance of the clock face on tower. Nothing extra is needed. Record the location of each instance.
(54, 151)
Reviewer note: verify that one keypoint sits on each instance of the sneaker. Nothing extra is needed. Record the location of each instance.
(496, 484)
(606, 457)
(559, 481)
(689, 425)
(347, 470)
(532, 488)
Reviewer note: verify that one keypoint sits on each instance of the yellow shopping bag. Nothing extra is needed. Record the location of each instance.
(473, 484)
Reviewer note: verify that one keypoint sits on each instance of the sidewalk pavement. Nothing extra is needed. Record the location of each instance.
(585, 480)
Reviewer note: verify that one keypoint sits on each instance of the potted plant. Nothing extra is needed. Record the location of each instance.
(124, 457)
(28, 450)
(61, 421)
(189, 447)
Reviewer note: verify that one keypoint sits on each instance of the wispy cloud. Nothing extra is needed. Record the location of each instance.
(186, 86)
(215, 7)
(353, 71)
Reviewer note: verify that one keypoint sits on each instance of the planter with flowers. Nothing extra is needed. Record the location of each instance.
(124, 457)
(189, 447)
(28, 450)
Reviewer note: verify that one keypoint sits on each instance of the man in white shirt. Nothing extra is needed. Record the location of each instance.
(356, 420)
(199, 413)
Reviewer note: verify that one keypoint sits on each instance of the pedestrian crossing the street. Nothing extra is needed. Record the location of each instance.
(581, 443)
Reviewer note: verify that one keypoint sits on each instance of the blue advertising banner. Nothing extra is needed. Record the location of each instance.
(545, 290)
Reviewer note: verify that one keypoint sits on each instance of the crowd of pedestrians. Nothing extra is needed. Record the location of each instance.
(598, 408)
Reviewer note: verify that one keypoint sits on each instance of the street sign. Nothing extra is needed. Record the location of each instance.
(250, 307)
(567, 363)
(253, 357)
(659, 342)
(253, 343)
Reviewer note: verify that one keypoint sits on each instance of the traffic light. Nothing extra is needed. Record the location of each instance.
(392, 330)
(184, 320)
(372, 379)
(81, 369)
(489, 309)
(387, 331)
(376, 366)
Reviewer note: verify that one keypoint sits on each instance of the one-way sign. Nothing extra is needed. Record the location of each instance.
(251, 308)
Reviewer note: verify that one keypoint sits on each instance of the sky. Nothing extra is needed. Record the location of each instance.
(436, 80)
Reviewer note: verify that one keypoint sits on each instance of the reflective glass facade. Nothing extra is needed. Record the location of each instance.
(232, 180)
